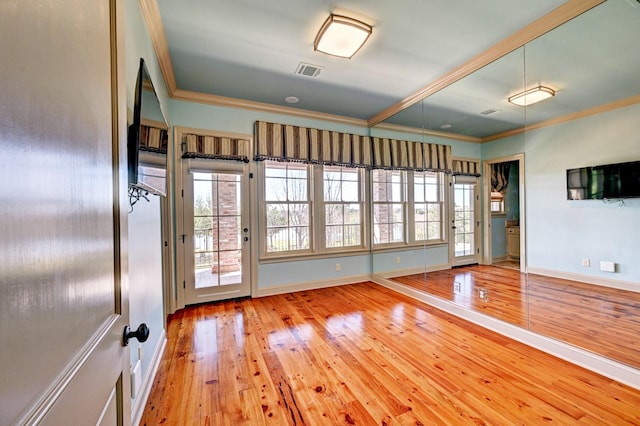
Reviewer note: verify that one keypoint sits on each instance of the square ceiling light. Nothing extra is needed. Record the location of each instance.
(341, 36)
(532, 96)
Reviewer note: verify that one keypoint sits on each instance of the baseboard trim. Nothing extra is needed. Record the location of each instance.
(310, 285)
(412, 271)
(596, 363)
(588, 279)
(141, 401)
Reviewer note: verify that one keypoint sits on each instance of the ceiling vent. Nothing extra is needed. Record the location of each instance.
(489, 111)
(308, 70)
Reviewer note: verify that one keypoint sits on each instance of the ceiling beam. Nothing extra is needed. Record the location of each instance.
(548, 22)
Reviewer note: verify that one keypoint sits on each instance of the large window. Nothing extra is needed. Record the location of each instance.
(342, 207)
(287, 207)
(315, 209)
(428, 194)
(389, 206)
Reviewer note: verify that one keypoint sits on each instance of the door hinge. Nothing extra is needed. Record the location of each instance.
(251, 175)
(183, 235)
(182, 193)
(184, 284)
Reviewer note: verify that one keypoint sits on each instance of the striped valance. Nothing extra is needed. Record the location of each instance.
(283, 142)
(466, 168)
(408, 155)
(153, 139)
(215, 147)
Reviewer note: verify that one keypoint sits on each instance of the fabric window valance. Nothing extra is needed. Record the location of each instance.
(466, 168)
(153, 139)
(283, 142)
(215, 147)
(408, 155)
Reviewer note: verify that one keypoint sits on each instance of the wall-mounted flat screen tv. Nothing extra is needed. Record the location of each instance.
(148, 138)
(609, 181)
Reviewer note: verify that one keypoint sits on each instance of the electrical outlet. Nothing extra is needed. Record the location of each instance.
(398, 259)
(607, 266)
(338, 267)
(586, 262)
(457, 287)
(483, 294)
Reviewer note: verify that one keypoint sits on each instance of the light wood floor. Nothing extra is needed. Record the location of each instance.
(600, 319)
(363, 354)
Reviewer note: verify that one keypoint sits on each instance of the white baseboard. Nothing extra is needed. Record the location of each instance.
(589, 279)
(599, 364)
(412, 271)
(310, 285)
(145, 389)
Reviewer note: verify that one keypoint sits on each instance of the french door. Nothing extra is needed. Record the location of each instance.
(465, 221)
(216, 231)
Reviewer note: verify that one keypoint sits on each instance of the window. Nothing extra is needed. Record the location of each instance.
(497, 203)
(342, 207)
(389, 206)
(287, 206)
(428, 194)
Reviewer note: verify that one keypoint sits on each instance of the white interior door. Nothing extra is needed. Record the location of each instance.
(465, 223)
(216, 226)
(64, 214)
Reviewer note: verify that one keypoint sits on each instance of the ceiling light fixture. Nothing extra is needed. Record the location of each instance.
(341, 36)
(532, 96)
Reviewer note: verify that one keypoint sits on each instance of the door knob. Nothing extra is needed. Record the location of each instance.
(141, 333)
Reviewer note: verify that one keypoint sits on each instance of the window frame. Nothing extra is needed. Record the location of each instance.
(317, 244)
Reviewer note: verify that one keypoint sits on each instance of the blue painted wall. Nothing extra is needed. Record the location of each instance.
(145, 245)
(560, 232)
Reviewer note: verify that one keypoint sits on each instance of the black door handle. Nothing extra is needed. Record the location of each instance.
(141, 333)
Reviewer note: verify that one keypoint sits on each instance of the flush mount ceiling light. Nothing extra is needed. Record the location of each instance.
(341, 36)
(532, 96)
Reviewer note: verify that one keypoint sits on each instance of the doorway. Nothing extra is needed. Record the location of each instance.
(217, 263)
(504, 207)
(465, 222)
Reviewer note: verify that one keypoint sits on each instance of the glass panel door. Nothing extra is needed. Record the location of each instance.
(465, 223)
(216, 236)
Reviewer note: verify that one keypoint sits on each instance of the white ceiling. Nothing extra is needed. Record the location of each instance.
(250, 49)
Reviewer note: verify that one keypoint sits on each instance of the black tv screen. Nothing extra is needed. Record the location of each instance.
(147, 138)
(609, 181)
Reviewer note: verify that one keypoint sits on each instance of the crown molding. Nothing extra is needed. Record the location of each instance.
(419, 131)
(152, 18)
(621, 103)
(551, 20)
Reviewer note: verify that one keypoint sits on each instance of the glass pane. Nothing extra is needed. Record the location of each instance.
(277, 239)
(277, 215)
(352, 214)
(299, 238)
(433, 231)
(334, 236)
(299, 214)
(381, 233)
(275, 189)
(398, 233)
(230, 267)
(420, 231)
(332, 190)
(333, 214)
(379, 191)
(350, 191)
(297, 190)
(297, 171)
(352, 235)
(229, 232)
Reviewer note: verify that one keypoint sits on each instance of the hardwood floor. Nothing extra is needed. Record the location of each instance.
(600, 319)
(363, 354)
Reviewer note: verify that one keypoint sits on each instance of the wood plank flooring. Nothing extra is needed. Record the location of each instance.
(600, 319)
(363, 354)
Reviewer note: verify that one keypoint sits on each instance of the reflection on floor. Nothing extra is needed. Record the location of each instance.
(600, 319)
